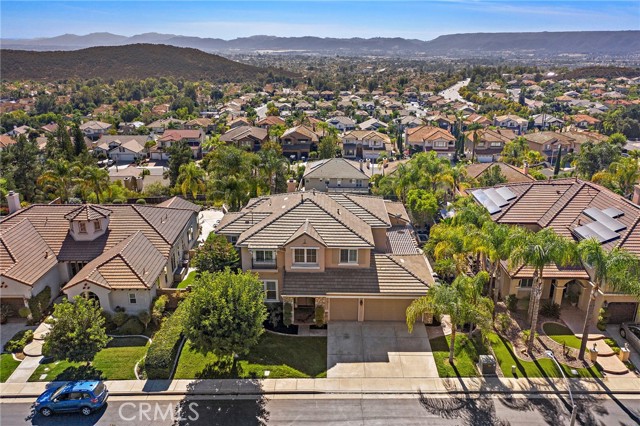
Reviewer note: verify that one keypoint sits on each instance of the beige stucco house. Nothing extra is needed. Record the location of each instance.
(574, 209)
(119, 255)
(353, 255)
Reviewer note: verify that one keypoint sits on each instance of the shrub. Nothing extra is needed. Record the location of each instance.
(118, 201)
(159, 306)
(319, 316)
(503, 321)
(19, 341)
(603, 319)
(131, 326)
(74, 200)
(286, 316)
(164, 348)
(109, 325)
(550, 309)
(24, 312)
(141, 201)
(39, 303)
(512, 302)
(275, 314)
(526, 333)
(119, 318)
(145, 318)
(5, 312)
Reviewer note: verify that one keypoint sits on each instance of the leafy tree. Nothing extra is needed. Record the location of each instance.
(179, 154)
(594, 158)
(94, 180)
(129, 113)
(538, 250)
(423, 205)
(232, 175)
(215, 255)
(271, 163)
(191, 179)
(20, 166)
(272, 110)
(517, 152)
(59, 178)
(225, 312)
(492, 176)
(328, 144)
(556, 168)
(79, 146)
(621, 176)
(77, 331)
(617, 269)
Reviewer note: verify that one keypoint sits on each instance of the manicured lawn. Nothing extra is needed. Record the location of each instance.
(561, 334)
(115, 362)
(283, 356)
(7, 366)
(539, 368)
(466, 354)
(188, 280)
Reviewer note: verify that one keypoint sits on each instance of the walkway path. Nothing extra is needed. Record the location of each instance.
(25, 369)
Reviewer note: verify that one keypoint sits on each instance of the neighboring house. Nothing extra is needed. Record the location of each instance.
(247, 137)
(336, 175)
(269, 121)
(298, 142)
(193, 138)
(518, 124)
(6, 141)
(584, 121)
(342, 123)
(511, 173)
(371, 124)
(477, 119)
(122, 148)
(410, 122)
(574, 209)
(490, 143)
(546, 143)
(119, 255)
(20, 130)
(95, 129)
(206, 124)
(361, 144)
(353, 255)
(546, 121)
(159, 126)
(430, 138)
(129, 128)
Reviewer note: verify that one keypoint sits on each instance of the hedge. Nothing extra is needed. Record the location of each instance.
(19, 341)
(163, 350)
(39, 303)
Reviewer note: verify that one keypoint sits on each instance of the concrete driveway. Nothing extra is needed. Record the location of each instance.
(378, 349)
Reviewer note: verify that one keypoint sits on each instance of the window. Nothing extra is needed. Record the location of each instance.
(271, 290)
(263, 256)
(358, 183)
(96, 225)
(348, 256)
(496, 144)
(440, 144)
(339, 182)
(526, 283)
(83, 227)
(132, 298)
(303, 256)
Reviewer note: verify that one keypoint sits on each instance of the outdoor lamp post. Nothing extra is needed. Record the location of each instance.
(574, 408)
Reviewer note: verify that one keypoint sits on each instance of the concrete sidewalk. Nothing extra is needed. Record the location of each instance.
(615, 385)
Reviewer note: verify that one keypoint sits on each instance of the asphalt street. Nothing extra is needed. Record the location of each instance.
(385, 410)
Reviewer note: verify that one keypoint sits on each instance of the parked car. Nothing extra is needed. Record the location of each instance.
(80, 396)
(631, 332)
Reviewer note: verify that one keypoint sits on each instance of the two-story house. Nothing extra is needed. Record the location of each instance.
(372, 124)
(342, 123)
(512, 122)
(94, 129)
(119, 255)
(123, 148)
(353, 255)
(546, 121)
(362, 144)
(547, 143)
(336, 175)
(430, 138)
(193, 138)
(488, 143)
(299, 141)
(248, 137)
(576, 210)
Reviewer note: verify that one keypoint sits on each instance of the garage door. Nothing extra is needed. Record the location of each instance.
(16, 304)
(385, 309)
(343, 309)
(622, 312)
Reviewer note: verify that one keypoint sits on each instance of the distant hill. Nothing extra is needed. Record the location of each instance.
(602, 72)
(135, 61)
(619, 43)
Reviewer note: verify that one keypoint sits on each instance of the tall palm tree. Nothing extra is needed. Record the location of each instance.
(540, 250)
(191, 179)
(626, 173)
(475, 139)
(618, 269)
(96, 180)
(457, 301)
(59, 178)
(271, 162)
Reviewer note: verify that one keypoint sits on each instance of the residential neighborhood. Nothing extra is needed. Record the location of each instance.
(450, 241)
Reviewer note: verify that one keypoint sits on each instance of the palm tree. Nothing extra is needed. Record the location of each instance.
(618, 269)
(272, 162)
(625, 173)
(540, 250)
(96, 180)
(60, 177)
(191, 179)
(457, 301)
(475, 139)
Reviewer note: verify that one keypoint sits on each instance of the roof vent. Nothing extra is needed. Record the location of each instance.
(338, 211)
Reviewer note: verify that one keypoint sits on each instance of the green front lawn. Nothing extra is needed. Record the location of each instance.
(188, 280)
(465, 356)
(7, 366)
(561, 334)
(283, 356)
(115, 362)
(539, 368)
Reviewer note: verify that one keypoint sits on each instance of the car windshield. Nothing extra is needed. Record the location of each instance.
(99, 389)
(57, 392)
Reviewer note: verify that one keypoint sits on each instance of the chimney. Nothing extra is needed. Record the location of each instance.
(361, 166)
(13, 199)
(636, 194)
(526, 168)
(291, 185)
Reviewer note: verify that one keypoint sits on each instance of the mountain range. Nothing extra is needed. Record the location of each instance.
(615, 43)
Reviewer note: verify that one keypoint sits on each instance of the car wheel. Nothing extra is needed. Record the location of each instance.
(46, 412)
(623, 333)
(86, 411)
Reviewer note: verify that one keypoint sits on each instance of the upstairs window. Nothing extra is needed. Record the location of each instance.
(82, 227)
(526, 283)
(132, 298)
(349, 256)
(264, 256)
(305, 256)
(96, 225)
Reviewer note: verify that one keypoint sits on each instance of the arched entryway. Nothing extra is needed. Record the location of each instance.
(573, 292)
(89, 295)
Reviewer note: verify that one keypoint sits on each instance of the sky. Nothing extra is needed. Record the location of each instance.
(423, 20)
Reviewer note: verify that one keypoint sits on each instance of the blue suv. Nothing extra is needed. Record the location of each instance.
(84, 397)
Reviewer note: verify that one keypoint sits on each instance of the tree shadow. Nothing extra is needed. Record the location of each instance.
(81, 372)
(478, 411)
(221, 368)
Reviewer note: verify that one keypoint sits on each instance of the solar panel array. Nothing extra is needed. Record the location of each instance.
(605, 219)
(605, 228)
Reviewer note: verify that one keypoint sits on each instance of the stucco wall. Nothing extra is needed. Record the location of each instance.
(304, 241)
(332, 259)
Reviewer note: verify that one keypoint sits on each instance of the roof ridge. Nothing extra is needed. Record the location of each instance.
(508, 207)
(571, 197)
(276, 216)
(628, 233)
(342, 222)
(348, 196)
(127, 262)
(135, 208)
(400, 264)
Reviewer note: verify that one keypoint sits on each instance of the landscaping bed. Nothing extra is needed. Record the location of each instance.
(115, 362)
(282, 356)
(7, 366)
(466, 353)
(561, 334)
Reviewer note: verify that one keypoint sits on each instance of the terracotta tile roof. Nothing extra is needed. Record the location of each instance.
(428, 133)
(180, 203)
(368, 208)
(550, 271)
(513, 174)
(387, 275)
(242, 132)
(88, 212)
(306, 229)
(178, 135)
(132, 263)
(397, 210)
(334, 168)
(24, 255)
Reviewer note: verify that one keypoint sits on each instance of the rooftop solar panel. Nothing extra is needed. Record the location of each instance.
(597, 230)
(495, 197)
(613, 212)
(506, 193)
(483, 199)
(604, 219)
